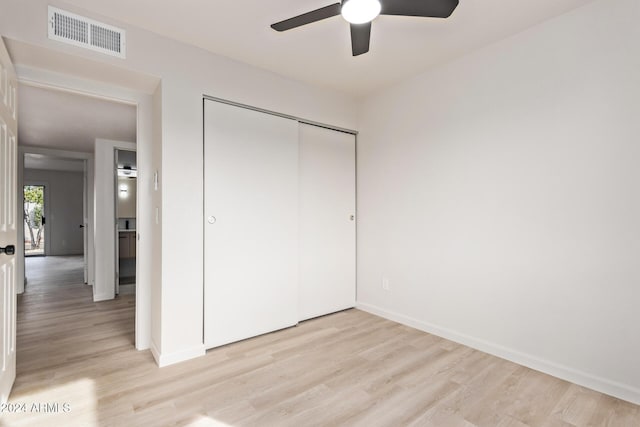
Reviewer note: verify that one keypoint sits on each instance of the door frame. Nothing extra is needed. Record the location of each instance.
(116, 195)
(88, 175)
(106, 221)
(144, 146)
(46, 213)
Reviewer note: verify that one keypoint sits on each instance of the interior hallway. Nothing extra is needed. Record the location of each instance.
(350, 368)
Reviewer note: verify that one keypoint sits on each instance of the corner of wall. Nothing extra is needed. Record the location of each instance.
(103, 297)
(154, 351)
(155, 224)
(180, 356)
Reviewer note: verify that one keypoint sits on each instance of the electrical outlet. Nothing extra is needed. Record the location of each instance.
(385, 284)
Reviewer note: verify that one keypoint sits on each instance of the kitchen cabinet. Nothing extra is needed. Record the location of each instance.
(127, 244)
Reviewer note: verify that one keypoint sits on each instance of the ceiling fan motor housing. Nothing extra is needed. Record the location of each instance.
(360, 13)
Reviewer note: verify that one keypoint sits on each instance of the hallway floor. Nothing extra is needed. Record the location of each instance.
(65, 342)
(46, 272)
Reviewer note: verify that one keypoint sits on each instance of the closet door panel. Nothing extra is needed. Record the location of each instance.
(251, 223)
(327, 221)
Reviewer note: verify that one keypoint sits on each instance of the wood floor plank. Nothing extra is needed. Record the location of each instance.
(347, 369)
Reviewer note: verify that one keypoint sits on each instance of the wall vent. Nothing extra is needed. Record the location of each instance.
(80, 31)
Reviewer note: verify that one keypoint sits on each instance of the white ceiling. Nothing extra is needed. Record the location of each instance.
(40, 57)
(68, 121)
(320, 53)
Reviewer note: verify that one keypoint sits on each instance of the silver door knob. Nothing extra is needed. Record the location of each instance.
(211, 219)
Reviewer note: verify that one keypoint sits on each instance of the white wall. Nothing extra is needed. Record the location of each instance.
(187, 74)
(499, 196)
(64, 211)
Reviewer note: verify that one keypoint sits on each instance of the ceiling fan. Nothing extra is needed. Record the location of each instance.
(360, 13)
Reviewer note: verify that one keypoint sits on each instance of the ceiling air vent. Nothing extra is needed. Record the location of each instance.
(79, 31)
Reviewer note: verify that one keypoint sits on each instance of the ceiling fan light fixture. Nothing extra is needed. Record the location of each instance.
(360, 11)
(127, 172)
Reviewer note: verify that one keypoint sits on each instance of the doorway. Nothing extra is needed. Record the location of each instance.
(126, 186)
(34, 220)
(133, 124)
(60, 132)
(53, 198)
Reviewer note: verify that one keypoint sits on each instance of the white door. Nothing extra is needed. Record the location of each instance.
(8, 223)
(250, 223)
(327, 221)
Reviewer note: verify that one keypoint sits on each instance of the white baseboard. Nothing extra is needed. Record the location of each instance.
(142, 345)
(180, 356)
(103, 297)
(602, 385)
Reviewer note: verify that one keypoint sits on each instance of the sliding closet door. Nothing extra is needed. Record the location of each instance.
(327, 221)
(251, 223)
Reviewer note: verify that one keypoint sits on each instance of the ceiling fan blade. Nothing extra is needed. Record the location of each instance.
(360, 37)
(308, 18)
(426, 8)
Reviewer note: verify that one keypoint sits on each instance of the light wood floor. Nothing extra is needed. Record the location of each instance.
(350, 368)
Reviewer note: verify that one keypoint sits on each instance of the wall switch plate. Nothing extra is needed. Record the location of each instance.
(385, 284)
